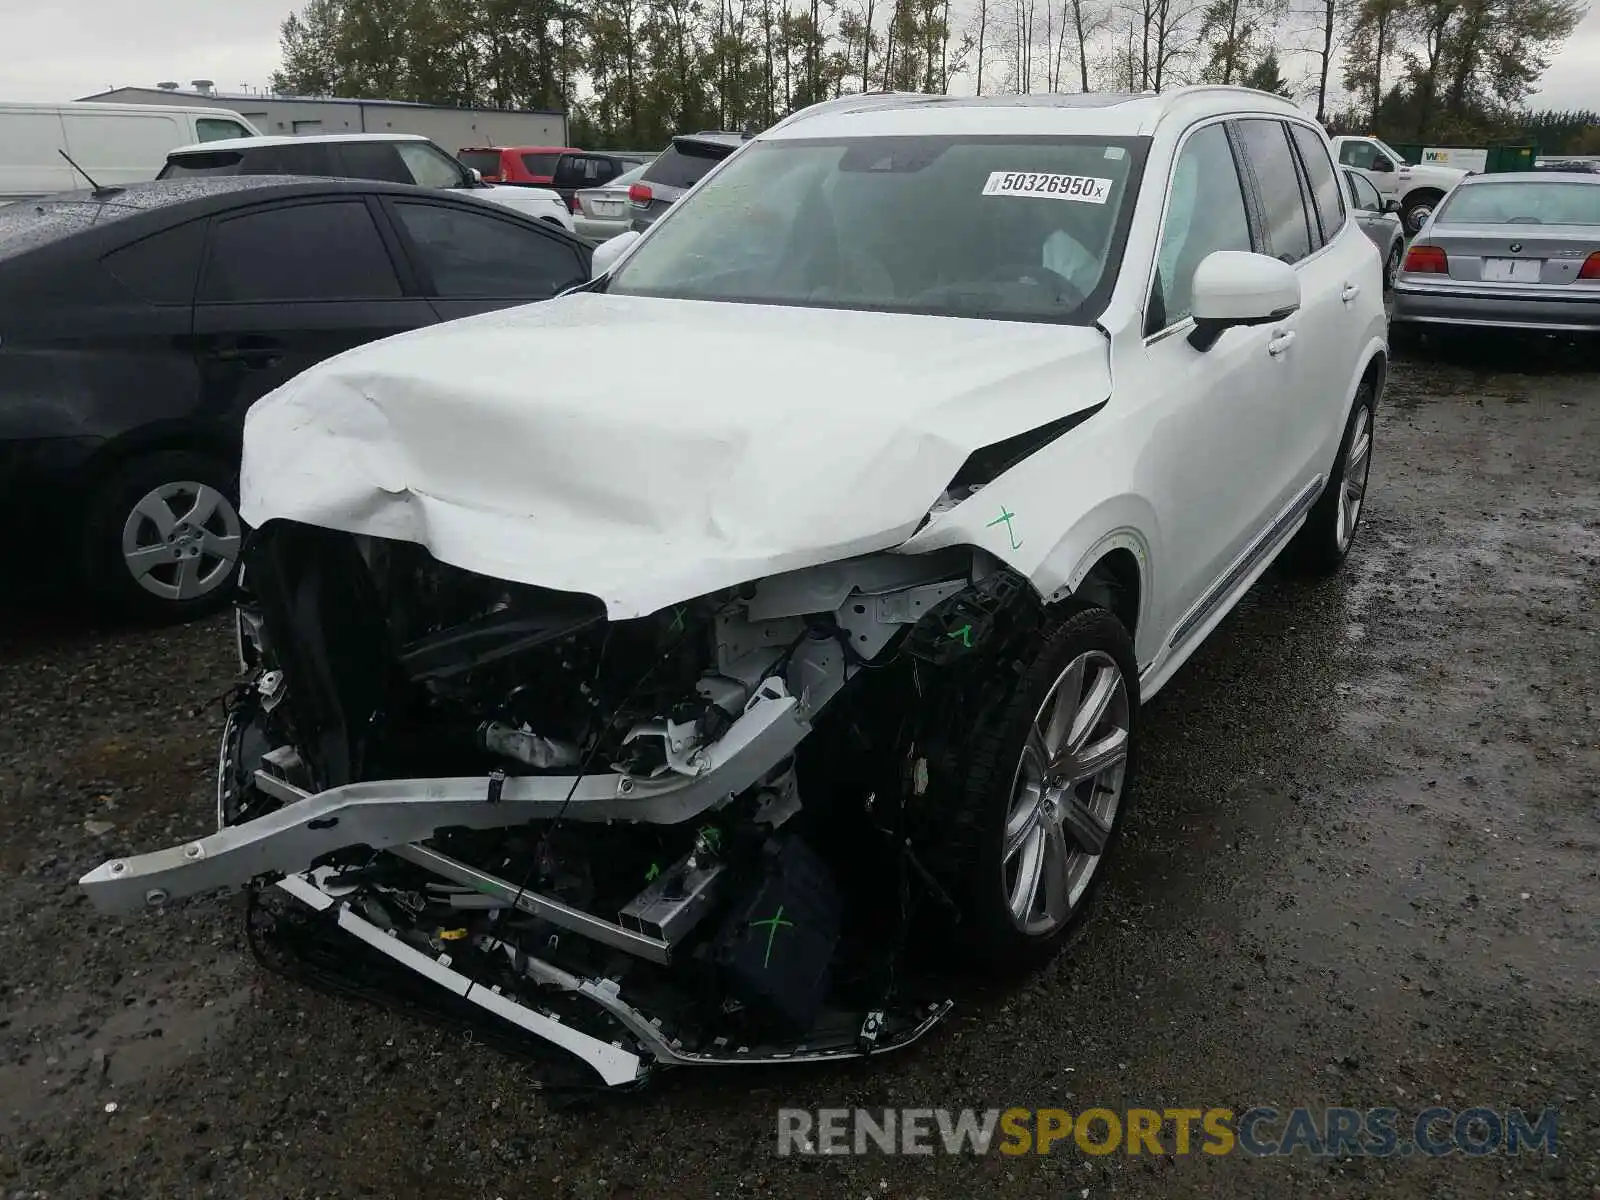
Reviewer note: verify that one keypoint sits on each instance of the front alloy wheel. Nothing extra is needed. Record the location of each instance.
(181, 541)
(1065, 793)
(1039, 790)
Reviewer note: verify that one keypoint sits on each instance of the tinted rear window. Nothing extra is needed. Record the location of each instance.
(540, 164)
(217, 162)
(583, 171)
(485, 162)
(683, 164)
(1513, 203)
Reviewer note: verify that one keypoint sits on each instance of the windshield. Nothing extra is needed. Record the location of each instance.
(1512, 203)
(1025, 228)
(1392, 154)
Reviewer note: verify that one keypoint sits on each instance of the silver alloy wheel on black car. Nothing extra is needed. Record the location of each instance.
(1065, 793)
(1353, 479)
(181, 541)
(1391, 266)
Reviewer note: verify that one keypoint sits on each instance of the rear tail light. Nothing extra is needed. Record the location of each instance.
(1426, 260)
(1591, 267)
(640, 194)
(573, 203)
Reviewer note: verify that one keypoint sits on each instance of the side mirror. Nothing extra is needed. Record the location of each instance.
(1235, 287)
(1391, 205)
(1382, 165)
(474, 177)
(607, 252)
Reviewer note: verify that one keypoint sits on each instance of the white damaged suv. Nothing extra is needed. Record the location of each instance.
(648, 720)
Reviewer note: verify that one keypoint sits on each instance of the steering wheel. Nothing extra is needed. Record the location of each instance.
(1031, 274)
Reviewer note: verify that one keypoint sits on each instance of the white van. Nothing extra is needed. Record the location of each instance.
(114, 143)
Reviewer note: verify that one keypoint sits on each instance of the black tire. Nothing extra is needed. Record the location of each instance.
(105, 569)
(1415, 208)
(972, 857)
(1391, 265)
(1317, 550)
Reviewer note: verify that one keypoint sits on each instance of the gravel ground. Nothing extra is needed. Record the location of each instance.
(1364, 869)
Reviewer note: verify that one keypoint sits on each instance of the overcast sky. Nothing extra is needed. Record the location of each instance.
(78, 47)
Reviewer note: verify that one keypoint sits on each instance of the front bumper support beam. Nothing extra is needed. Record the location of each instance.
(384, 813)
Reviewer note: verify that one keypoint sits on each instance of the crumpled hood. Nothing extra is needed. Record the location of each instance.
(647, 451)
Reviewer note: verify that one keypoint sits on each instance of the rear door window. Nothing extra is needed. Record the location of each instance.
(471, 254)
(325, 251)
(1288, 231)
(1324, 183)
(683, 164)
(303, 158)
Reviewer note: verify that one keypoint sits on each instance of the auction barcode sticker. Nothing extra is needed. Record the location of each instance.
(1086, 188)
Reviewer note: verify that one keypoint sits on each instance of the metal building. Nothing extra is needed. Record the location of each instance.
(451, 128)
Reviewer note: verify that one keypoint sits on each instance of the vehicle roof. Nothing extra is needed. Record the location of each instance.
(712, 137)
(1532, 177)
(1104, 114)
(528, 149)
(31, 224)
(278, 139)
(108, 106)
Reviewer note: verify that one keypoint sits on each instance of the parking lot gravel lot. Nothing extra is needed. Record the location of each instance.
(1363, 868)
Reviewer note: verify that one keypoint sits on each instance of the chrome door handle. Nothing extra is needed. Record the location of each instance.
(1351, 291)
(1280, 342)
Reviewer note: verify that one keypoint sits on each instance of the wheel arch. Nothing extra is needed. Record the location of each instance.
(1106, 559)
(159, 437)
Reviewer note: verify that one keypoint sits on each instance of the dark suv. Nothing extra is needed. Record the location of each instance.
(679, 167)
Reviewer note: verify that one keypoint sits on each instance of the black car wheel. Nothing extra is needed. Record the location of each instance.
(1324, 541)
(163, 535)
(1047, 779)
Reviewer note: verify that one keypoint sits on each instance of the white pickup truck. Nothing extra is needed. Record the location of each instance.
(1417, 186)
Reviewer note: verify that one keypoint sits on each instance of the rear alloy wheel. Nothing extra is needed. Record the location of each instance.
(1324, 541)
(1391, 265)
(1047, 779)
(164, 537)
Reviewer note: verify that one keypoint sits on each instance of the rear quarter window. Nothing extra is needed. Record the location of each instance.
(161, 268)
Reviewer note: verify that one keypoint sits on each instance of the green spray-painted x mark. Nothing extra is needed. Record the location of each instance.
(1016, 542)
(772, 923)
(964, 633)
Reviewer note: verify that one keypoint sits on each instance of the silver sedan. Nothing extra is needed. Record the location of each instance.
(1516, 250)
(602, 212)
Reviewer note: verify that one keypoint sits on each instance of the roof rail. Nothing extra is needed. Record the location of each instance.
(859, 102)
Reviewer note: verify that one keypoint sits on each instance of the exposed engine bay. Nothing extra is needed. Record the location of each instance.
(693, 838)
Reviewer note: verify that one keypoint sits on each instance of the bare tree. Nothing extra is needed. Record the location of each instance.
(983, 29)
